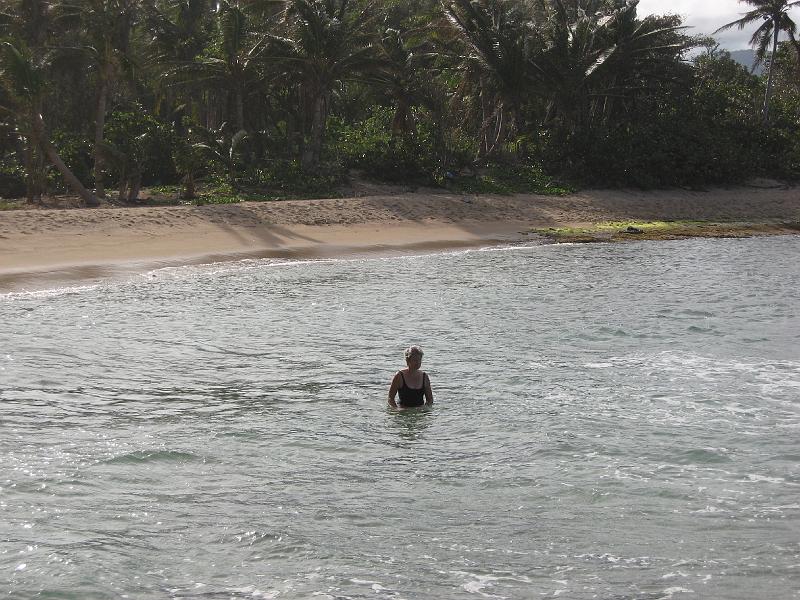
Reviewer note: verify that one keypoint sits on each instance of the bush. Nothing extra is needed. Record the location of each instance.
(285, 178)
(12, 181)
(369, 146)
(139, 141)
(77, 153)
(506, 179)
(665, 151)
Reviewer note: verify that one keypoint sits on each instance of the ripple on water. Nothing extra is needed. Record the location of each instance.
(152, 456)
(222, 431)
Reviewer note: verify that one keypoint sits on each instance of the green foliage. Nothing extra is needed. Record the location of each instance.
(4, 205)
(12, 178)
(21, 77)
(287, 179)
(221, 193)
(137, 142)
(706, 131)
(164, 190)
(76, 151)
(409, 91)
(370, 146)
(222, 149)
(279, 180)
(506, 179)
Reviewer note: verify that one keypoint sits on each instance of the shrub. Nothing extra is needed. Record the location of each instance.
(12, 180)
(369, 145)
(76, 151)
(506, 179)
(285, 178)
(139, 141)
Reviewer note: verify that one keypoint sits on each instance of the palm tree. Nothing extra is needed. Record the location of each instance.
(180, 29)
(237, 66)
(29, 22)
(406, 76)
(107, 26)
(572, 59)
(499, 39)
(33, 20)
(23, 81)
(329, 43)
(598, 53)
(774, 18)
(232, 66)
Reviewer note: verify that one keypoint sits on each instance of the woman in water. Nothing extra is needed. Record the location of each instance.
(413, 385)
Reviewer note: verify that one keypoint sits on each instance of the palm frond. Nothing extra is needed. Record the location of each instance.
(751, 17)
(20, 75)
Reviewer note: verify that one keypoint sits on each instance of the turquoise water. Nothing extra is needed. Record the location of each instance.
(611, 421)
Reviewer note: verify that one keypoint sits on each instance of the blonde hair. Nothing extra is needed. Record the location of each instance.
(413, 351)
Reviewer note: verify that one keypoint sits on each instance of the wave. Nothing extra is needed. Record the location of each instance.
(152, 456)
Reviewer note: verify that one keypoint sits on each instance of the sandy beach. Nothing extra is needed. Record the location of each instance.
(42, 246)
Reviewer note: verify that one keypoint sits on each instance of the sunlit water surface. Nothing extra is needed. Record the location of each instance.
(612, 421)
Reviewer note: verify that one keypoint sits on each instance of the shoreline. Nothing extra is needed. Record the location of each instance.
(46, 247)
(47, 270)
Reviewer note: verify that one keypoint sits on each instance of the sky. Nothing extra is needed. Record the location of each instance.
(705, 16)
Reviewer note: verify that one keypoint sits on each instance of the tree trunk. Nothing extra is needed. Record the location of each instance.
(123, 188)
(239, 109)
(500, 130)
(400, 120)
(483, 149)
(52, 154)
(294, 136)
(33, 162)
(40, 183)
(441, 148)
(30, 176)
(768, 93)
(99, 127)
(188, 192)
(136, 186)
(312, 154)
(124, 180)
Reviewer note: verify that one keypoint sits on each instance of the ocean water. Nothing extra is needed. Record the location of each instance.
(611, 421)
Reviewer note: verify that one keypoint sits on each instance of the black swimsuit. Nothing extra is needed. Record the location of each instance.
(411, 396)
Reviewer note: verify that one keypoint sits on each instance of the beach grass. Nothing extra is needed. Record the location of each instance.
(224, 193)
(9, 205)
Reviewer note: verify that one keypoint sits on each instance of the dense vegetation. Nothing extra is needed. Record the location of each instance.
(283, 97)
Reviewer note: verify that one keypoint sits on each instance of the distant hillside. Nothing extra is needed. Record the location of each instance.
(746, 58)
